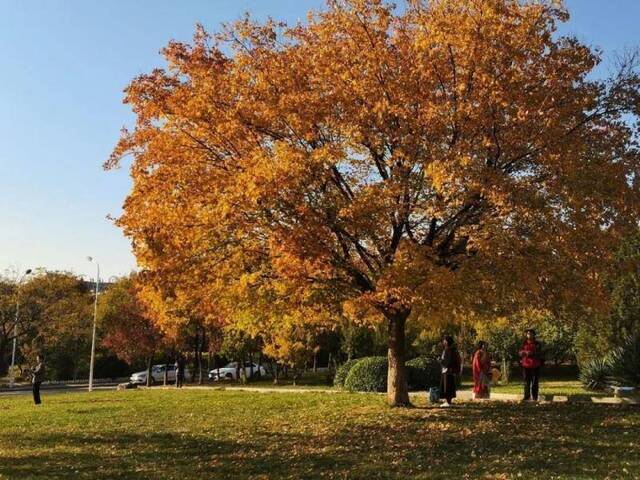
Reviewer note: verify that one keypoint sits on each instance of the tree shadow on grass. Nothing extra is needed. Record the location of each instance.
(163, 455)
(507, 439)
(469, 441)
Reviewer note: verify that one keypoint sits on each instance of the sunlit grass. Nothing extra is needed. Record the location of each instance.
(242, 435)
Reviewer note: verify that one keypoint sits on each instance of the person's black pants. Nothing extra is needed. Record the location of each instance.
(36, 393)
(448, 387)
(179, 381)
(531, 382)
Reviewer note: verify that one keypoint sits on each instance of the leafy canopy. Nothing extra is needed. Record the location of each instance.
(449, 155)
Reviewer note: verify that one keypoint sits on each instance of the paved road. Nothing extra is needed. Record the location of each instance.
(53, 389)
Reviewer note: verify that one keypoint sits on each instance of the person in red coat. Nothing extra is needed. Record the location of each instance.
(481, 368)
(531, 361)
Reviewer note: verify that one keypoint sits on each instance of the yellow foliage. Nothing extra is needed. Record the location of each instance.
(452, 156)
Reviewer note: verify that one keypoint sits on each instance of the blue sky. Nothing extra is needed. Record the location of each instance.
(63, 65)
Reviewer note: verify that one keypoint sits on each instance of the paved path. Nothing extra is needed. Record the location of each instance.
(463, 395)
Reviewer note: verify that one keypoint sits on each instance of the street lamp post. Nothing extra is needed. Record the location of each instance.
(12, 376)
(95, 319)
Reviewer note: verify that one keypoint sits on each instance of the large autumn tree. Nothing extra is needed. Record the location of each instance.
(449, 155)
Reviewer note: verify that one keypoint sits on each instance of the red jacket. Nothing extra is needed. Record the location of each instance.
(531, 354)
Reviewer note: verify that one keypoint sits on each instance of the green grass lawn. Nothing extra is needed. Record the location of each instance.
(198, 434)
(568, 388)
(572, 389)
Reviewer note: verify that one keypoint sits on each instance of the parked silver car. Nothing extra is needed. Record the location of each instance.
(230, 370)
(157, 375)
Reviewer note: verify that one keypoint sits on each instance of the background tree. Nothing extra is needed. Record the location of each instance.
(239, 345)
(602, 332)
(625, 291)
(504, 340)
(7, 321)
(357, 340)
(292, 345)
(449, 155)
(557, 334)
(58, 306)
(128, 329)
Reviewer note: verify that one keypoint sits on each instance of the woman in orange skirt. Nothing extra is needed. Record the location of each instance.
(481, 367)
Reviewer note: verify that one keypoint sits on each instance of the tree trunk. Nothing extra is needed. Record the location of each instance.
(4, 350)
(243, 370)
(315, 362)
(149, 368)
(259, 366)
(275, 373)
(397, 389)
(250, 366)
(194, 371)
(201, 346)
(165, 377)
(505, 370)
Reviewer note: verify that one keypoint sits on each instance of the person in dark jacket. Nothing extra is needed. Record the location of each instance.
(37, 377)
(531, 358)
(450, 363)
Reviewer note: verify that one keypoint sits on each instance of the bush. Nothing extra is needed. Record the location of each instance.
(596, 374)
(621, 367)
(625, 363)
(368, 375)
(423, 373)
(342, 372)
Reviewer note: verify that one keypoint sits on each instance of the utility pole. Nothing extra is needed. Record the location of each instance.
(95, 319)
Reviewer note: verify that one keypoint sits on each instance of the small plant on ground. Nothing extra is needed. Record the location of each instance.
(596, 375)
(621, 367)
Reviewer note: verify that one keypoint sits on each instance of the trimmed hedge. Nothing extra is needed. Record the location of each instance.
(368, 375)
(423, 373)
(342, 372)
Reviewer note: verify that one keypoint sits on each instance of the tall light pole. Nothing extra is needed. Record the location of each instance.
(12, 376)
(95, 319)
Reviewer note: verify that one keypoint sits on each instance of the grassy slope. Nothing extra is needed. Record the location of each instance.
(241, 435)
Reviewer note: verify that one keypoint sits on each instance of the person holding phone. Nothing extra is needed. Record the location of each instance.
(37, 377)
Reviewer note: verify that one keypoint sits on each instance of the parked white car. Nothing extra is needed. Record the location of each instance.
(157, 375)
(229, 371)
